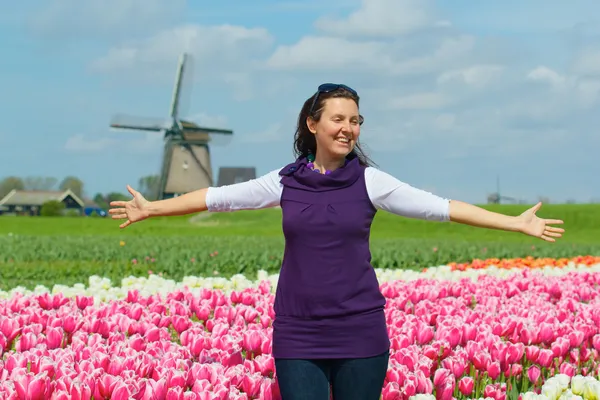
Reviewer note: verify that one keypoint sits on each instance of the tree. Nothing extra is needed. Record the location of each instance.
(39, 183)
(149, 186)
(74, 184)
(100, 201)
(114, 196)
(10, 183)
(52, 208)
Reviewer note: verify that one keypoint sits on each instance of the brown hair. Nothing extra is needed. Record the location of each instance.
(304, 139)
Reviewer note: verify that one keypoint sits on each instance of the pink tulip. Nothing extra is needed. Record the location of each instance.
(252, 341)
(440, 377)
(533, 373)
(516, 370)
(545, 358)
(595, 342)
(532, 353)
(33, 387)
(493, 370)
(466, 385)
(567, 369)
(391, 391)
(10, 328)
(54, 337)
(446, 388)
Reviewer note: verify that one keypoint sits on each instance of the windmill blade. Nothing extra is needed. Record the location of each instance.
(220, 140)
(123, 121)
(187, 86)
(184, 80)
(191, 127)
(216, 136)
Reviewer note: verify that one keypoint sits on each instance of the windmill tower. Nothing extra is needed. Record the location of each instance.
(186, 164)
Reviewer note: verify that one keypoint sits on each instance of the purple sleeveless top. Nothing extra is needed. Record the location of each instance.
(327, 303)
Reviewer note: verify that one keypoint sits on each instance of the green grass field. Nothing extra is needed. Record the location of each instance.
(45, 251)
(580, 223)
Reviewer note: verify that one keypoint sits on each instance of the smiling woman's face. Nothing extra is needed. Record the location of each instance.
(338, 129)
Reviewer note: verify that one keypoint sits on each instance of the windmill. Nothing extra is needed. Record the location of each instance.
(186, 164)
(497, 198)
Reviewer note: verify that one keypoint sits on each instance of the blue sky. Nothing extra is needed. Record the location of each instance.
(454, 93)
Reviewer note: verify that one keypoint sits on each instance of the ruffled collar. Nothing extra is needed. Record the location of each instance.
(297, 175)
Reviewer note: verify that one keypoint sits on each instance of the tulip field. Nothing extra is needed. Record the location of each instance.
(167, 314)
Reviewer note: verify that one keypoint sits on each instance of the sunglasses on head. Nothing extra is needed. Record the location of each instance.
(328, 88)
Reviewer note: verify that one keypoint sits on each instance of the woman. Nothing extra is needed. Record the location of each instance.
(330, 328)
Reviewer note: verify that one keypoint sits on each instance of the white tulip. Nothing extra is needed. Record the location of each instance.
(591, 390)
(577, 383)
(551, 389)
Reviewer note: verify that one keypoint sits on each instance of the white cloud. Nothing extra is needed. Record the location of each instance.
(449, 53)
(224, 53)
(213, 47)
(129, 142)
(212, 121)
(588, 62)
(545, 74)
(568, 91)
(418, 101)
(83, 143)
(475, 75)
(313, 53)
(101, 18)
(273, 133)
(329, 53)
(382, 18)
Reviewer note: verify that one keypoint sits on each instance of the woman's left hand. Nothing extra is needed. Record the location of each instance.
(532, 225)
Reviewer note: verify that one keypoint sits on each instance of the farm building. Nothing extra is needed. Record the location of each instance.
(29, 202)
(231, 175)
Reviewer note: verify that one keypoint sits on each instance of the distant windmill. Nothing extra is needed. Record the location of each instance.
(186, 163)
(496, 198)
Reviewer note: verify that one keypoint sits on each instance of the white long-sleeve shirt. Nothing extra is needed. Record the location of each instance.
(385, 192)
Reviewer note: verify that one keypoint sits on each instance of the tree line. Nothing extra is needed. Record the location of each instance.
(147, 185)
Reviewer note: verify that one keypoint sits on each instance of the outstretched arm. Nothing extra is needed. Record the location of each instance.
(469, 214)
(189, 203)
(390, 194)
(255, 194)
(527, 223)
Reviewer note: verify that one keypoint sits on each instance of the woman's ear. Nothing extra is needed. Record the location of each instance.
(311, 124)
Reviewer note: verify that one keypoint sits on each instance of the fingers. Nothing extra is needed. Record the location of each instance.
(121, 215)
(116, 211)
(118, 203)
(130, 190)
(125, 224)
(553, 234)
(548, 239)
(553, 222)
(537, 207)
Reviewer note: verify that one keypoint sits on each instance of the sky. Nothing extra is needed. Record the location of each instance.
(456, 95)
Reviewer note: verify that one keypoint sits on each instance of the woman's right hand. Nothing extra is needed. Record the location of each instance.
(133, 210)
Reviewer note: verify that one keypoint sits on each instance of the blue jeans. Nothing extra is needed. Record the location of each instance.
(350, 379)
